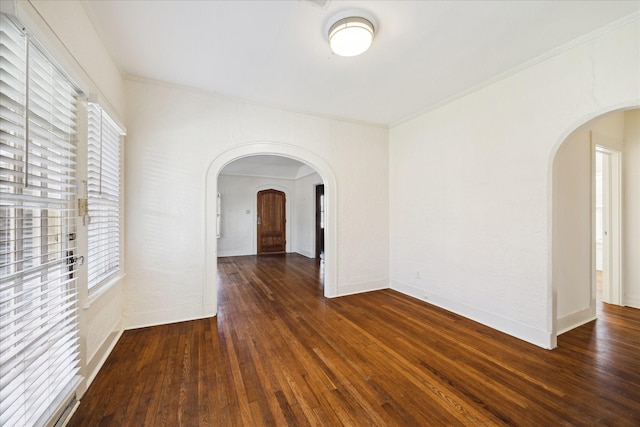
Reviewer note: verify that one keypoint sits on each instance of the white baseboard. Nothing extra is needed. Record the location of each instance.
(408, 289)
(632, 302)
(360, 287)
(511, 327)
(244, 253)
(95, 364)
(307, 254)
(573, 320)
(234, 253)
(138, 320)
(163, 317)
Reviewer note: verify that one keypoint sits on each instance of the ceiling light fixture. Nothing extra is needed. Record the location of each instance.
(351, 36)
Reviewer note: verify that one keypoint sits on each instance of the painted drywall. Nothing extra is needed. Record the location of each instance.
(572, 218)
(631, 209)
(572, 230)
(238, 212)
(305, 226)
(67, 34)
(470, 184)
(174, 135)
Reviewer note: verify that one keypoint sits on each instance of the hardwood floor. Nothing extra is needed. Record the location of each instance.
(279, 353)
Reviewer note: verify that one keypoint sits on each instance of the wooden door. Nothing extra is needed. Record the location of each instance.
(271, 221)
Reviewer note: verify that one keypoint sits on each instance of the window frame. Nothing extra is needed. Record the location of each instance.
(39, 295)
(105, 141)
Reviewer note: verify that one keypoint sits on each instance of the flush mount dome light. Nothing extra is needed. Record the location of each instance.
(351, 36)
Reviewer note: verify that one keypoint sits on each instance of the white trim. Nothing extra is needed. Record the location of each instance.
(573, 320)
(210, 243)
(64, 400)
(552, 304)
(227, 254)
(306, 254)
(612, 289)
(102, 288)
(544, 339)
(161, 317)
(361, 287)
(100, 356)
(632, 302)
(71, 412)
(407, 289)
(511, 327)
(347, 13)
(104, 105)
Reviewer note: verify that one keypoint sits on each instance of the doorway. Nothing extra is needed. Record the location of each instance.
(330, 274)
(271, 221)
(608, 219)
(320, 221)
(581, 224)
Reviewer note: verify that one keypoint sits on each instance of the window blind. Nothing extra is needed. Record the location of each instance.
(103, 188)
(38, 292)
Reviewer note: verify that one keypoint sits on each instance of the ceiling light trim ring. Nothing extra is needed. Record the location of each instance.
(351, 36)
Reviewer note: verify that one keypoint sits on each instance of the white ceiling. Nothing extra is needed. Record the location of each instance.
(276, 52)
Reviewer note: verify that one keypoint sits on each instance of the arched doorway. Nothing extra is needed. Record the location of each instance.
(574, 216)
(251, 224)
(210, 285)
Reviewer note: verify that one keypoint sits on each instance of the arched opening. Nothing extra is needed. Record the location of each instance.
(210, 286)
(267, 205)
(592, 259)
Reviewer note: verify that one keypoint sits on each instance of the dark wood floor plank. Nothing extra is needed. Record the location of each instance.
(280, 354)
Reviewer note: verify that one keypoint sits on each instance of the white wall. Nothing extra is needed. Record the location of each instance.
(175, 133)
(238, 194)
(66, 32)
(572, 218)
(470, 184)
(238, 228)
(572, 230)
(631, 208)
(305, 235)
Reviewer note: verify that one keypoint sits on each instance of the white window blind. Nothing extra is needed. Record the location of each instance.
(103, 187)
(38, 292)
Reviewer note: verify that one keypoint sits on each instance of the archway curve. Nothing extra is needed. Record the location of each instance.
(210, 285)
(552, 313)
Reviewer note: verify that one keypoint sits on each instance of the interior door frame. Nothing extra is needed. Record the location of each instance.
(319, 243)
(258, 221)
(254, 215)
(210, 242)
(612, 292)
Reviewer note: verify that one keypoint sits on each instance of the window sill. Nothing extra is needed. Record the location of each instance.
(101, 289)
